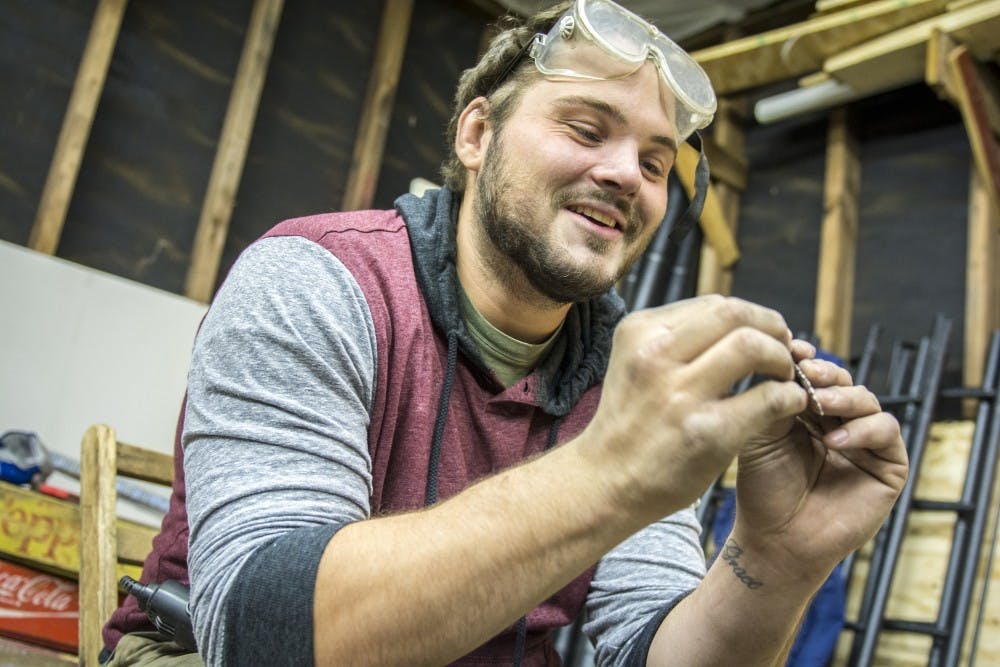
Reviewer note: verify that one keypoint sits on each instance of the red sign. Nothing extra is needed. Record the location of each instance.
(38, 608)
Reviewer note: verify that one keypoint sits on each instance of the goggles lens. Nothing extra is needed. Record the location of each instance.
(599, 39)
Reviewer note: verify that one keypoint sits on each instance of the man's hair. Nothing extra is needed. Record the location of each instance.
(491, 77)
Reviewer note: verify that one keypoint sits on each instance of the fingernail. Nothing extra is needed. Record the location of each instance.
(837, 437)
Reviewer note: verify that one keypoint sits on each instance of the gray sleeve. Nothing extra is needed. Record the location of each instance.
(275, 439)
(638, 582)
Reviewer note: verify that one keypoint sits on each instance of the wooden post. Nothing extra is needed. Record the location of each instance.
(835, 282)
(713, 277)
(65, 167)
(982, 278)
(366, 161)
(98, 466)
(217, 209)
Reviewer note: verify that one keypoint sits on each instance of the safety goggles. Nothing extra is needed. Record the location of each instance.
(600, 40)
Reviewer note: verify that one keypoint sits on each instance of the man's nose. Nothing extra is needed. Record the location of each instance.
(619, 170)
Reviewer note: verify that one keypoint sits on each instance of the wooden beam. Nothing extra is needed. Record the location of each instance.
(802, 47)
(899, 58)
(985, 151)
(98, 466)
(713, 278)
(140, 463)
(830, 6)
(227, 170)
(838, 242)
(937, 71)
(982, 278)
(65, 167)
(377, 112)
(713, 221)
(728, 164)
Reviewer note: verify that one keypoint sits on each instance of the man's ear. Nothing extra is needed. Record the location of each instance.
(473, 133)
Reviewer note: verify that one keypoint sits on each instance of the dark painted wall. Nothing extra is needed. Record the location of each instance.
(144, 174)
(913, 210)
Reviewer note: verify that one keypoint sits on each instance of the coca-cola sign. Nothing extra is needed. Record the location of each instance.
(38, 607)
(39, 594)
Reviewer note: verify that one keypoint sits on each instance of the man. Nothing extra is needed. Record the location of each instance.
(409, 438)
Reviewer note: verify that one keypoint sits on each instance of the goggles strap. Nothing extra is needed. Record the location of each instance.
(693, 212)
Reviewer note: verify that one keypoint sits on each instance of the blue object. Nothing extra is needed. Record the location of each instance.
(23, 459)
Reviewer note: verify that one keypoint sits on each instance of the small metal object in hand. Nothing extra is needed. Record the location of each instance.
(810, 417)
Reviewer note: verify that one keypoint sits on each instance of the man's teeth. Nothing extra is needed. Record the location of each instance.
(596, 216)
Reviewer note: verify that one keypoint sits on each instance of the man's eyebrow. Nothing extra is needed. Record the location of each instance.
(614, 113)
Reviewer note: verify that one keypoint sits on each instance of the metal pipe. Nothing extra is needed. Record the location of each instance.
(823, 95)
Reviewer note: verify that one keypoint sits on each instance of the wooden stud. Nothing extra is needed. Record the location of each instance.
(982, 278)
(217, 209)
(838, 244)
(713, 278)
(796, 49)
(65, 167)
(366, 161)
(99, 544)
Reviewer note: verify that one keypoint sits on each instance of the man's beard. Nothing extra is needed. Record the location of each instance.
(551, 273)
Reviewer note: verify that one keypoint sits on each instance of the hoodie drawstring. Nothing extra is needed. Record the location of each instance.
(431, 493)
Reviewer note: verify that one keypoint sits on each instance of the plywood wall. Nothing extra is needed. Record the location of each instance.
(916, 588)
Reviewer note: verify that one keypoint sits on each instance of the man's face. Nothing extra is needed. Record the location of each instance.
(574, 186)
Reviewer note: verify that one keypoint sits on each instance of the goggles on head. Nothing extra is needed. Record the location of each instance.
(600, 40)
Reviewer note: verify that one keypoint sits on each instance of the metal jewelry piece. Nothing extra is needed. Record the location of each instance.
(810, 417)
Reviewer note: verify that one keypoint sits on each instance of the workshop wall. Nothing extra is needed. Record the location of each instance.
(146, 166)
(912, 218)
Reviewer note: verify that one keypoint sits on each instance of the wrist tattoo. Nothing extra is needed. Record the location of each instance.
(731, 553)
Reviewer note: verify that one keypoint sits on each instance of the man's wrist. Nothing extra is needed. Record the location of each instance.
(760, 562)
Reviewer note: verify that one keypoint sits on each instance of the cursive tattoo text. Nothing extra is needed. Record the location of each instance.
(731, 553)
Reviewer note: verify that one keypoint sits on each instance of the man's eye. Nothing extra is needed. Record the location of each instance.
(586, 133)
(653, 168)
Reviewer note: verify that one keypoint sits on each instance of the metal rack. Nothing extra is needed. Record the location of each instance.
(915, 409)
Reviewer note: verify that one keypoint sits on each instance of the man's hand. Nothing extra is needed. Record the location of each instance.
(667, 424)
(804, 502)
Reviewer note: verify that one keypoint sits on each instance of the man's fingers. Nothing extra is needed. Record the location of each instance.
(822, 373)
(802, 349)
(849, 402)
(739, 353)
(754, 411)
(877, 432)
(696, 324)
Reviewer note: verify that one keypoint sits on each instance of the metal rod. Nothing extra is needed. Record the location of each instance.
(687, 254)
(981, 498)
(863, 648)
(902, 354)
(654, 264)
(868, 355)
(951, 606)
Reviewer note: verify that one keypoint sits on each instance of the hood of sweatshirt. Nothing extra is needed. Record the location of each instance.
(586, 335)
